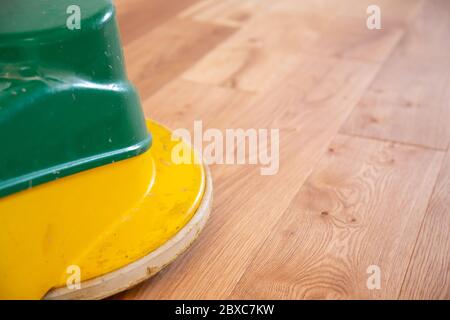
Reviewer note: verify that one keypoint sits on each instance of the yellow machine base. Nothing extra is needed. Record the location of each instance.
(94, 222)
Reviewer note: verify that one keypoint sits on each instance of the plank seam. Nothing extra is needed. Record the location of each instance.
(406, 144)
(427, 213)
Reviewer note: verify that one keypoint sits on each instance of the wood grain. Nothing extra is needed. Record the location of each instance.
(348, 37)
(248, 59)
(346, 34)
(394, 13)
(242, 218)
(181, 102)
(428, 32)
(232, 13)
(253, 59)
(428, 275)
(401, 104)
(311, 69)
(363, 205)
(164, 53)
(138, 17)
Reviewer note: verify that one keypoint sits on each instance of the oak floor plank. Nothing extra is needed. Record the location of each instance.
(167, 51)
(247, 205)
(253, 58)
(362, 205)
(138, 17)
(346, 34)
(270, 44)
(302, 67)
(348, 37)
(309, 7)
(428, 275)
(181, 102)
(232, 13)
(409, 100)
(394, 13)
(429, 32)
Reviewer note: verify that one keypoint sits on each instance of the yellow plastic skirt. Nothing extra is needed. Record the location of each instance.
(96, 221)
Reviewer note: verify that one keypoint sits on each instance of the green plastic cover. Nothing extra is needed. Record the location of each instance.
(66, 104)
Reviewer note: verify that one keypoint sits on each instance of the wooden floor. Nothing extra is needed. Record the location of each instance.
(364, 119)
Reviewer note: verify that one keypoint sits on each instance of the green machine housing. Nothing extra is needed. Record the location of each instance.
(66, 104)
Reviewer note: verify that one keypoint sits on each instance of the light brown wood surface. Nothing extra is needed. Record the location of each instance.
(364, 118)
(428, 273)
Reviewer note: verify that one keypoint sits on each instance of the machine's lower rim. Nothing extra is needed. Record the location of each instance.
(146, 267)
